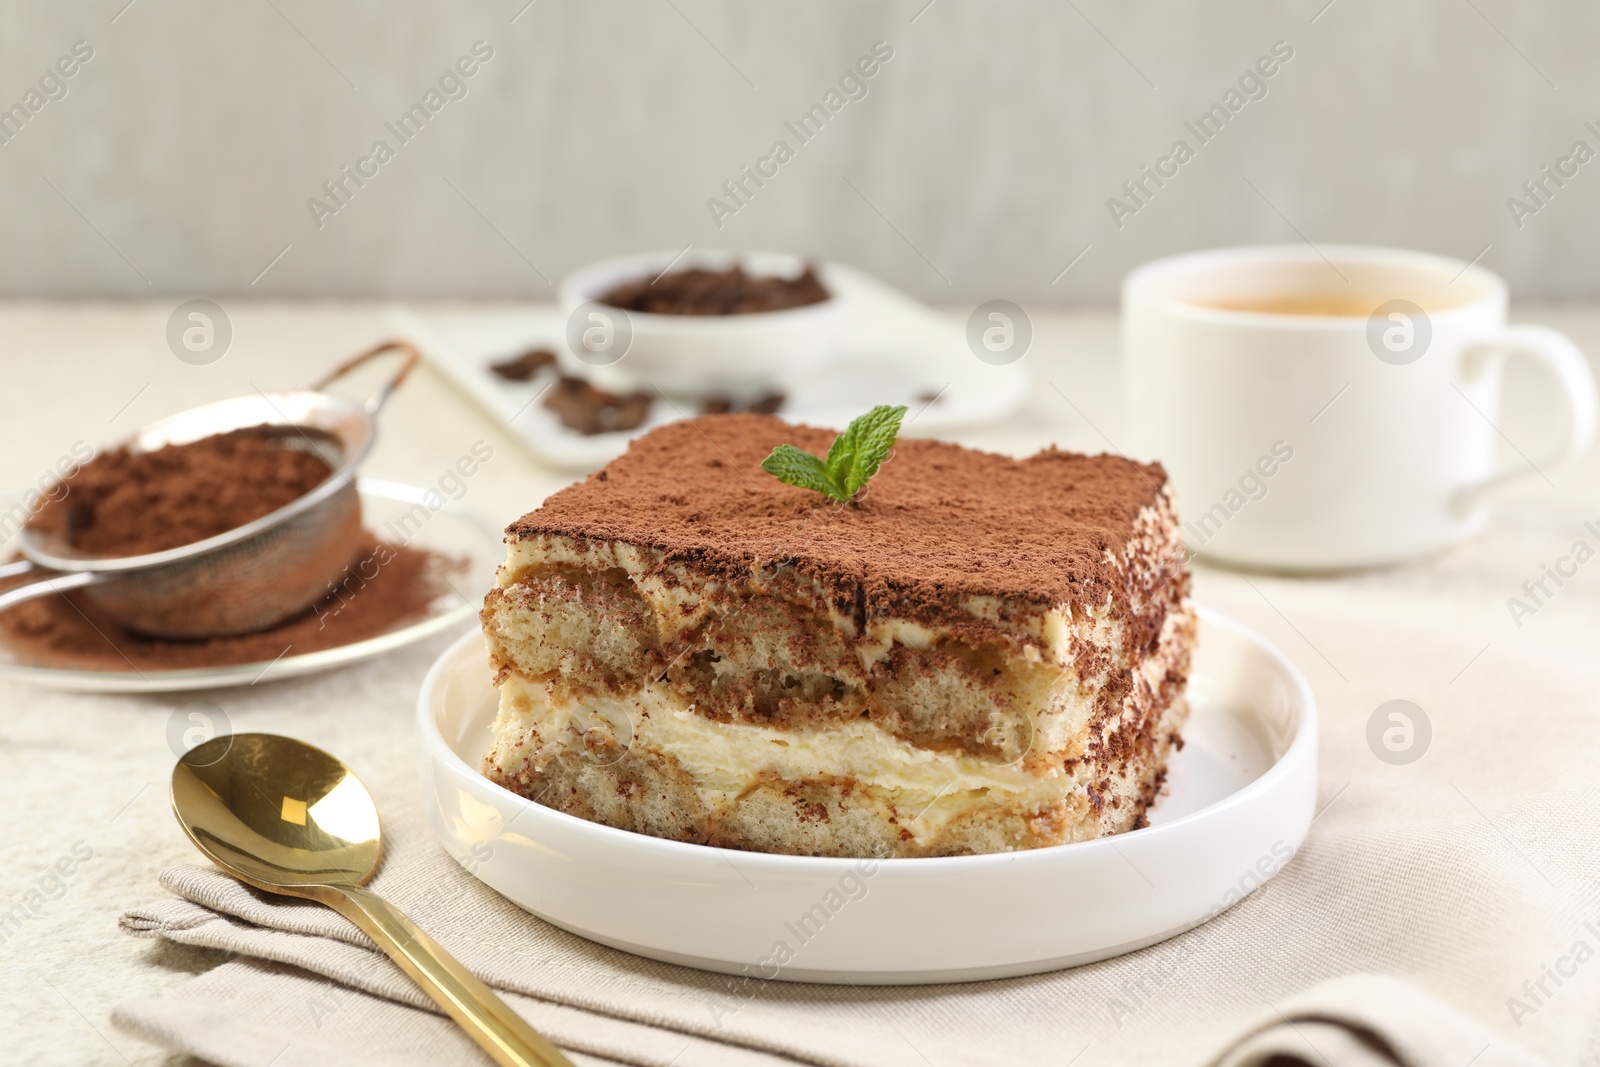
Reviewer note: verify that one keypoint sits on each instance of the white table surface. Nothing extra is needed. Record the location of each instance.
(93, 769)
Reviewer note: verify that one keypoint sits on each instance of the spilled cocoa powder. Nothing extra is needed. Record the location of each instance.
(126, 503)
(385, 586)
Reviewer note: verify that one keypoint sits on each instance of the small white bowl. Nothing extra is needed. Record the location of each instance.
(738, 356)
(1241, 797)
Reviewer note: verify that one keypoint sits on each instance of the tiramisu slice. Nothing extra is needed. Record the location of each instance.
(975, 654)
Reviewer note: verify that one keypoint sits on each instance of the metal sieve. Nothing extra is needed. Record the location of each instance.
(253, 576)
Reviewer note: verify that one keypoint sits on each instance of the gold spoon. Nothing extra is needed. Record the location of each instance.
(290, 819)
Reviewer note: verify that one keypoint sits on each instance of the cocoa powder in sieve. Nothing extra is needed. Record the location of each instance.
(126, 503)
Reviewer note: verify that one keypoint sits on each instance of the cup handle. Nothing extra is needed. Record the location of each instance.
(1561, 360)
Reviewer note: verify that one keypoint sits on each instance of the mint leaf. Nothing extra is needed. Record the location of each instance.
(853, 458)
(793, 466)
(857, 453)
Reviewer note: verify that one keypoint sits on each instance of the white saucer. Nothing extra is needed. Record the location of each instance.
(1241, 797)
(450, 531)
(893, 350)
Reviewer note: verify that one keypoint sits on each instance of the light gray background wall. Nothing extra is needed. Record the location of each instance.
(979, 165)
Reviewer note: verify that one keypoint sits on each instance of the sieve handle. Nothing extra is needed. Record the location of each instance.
(60, 584)
(17, 569)
(376, 401)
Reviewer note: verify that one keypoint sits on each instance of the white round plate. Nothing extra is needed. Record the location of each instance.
(449, 531)
(1240, 800)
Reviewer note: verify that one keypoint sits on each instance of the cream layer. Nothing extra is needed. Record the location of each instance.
(929, 788)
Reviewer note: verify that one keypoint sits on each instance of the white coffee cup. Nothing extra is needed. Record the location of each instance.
(1331, 440)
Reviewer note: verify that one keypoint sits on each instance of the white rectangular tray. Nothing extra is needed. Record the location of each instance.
(895, 351)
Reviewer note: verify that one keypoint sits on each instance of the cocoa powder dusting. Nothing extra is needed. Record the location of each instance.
(384, 587)
(939, 523)
(125, 503)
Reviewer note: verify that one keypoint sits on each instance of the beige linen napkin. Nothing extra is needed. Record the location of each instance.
(1465, 879)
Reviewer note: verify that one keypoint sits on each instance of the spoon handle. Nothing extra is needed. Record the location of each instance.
(474, 1006)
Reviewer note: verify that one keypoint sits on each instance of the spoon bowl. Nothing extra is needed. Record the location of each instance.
(277, 813)
(288, 818)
